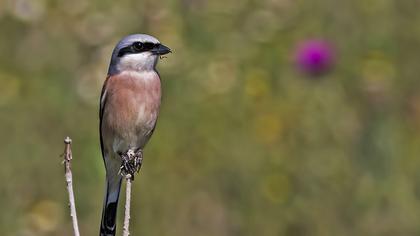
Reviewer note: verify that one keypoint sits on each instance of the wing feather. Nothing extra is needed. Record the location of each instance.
(102, 105)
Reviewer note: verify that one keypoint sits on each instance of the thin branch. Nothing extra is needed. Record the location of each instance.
(131, 163)
(126, 226)
(69, 182)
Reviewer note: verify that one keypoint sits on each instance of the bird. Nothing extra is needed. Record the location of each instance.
(128, 112)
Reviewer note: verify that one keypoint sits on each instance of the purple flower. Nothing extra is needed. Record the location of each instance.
(314, 57)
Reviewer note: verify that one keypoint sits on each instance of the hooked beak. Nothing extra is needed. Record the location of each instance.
(161, 50)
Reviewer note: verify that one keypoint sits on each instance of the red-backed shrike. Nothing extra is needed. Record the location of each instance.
(129, 108)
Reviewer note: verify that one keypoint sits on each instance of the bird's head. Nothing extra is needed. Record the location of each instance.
(136, 52)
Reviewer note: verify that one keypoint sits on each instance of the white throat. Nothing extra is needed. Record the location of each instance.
(139, 62)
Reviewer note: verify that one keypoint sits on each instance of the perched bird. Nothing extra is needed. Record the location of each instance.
(129, 108)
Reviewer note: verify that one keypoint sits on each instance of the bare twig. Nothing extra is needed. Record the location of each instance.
(126, 226)
(131, 163)
(69, 182)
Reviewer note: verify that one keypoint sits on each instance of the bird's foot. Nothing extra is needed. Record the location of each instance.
(131, 162)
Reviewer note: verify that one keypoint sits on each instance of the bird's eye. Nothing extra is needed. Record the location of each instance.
(138, 46)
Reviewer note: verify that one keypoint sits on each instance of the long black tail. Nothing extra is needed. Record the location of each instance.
(109, 211)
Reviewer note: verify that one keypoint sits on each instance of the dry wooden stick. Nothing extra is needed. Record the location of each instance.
(126, 226)
(131, 163)
(69, 182)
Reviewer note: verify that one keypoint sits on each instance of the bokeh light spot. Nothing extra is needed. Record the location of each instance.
(256, 84)
(276, 188)
(9, 89)
(268, 127)
(45, 216)
(28, 10)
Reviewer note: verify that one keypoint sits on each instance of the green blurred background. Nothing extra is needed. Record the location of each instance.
(245, 144)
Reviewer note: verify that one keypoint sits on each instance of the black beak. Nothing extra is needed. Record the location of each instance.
(161, 49)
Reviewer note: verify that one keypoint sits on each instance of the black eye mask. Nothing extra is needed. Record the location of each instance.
(137, 47)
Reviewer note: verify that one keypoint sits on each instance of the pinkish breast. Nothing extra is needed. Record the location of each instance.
(132, 106)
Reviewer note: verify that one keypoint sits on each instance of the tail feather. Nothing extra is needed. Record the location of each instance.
(109, 212)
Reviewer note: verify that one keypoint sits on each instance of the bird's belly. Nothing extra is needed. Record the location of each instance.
(135, 130)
